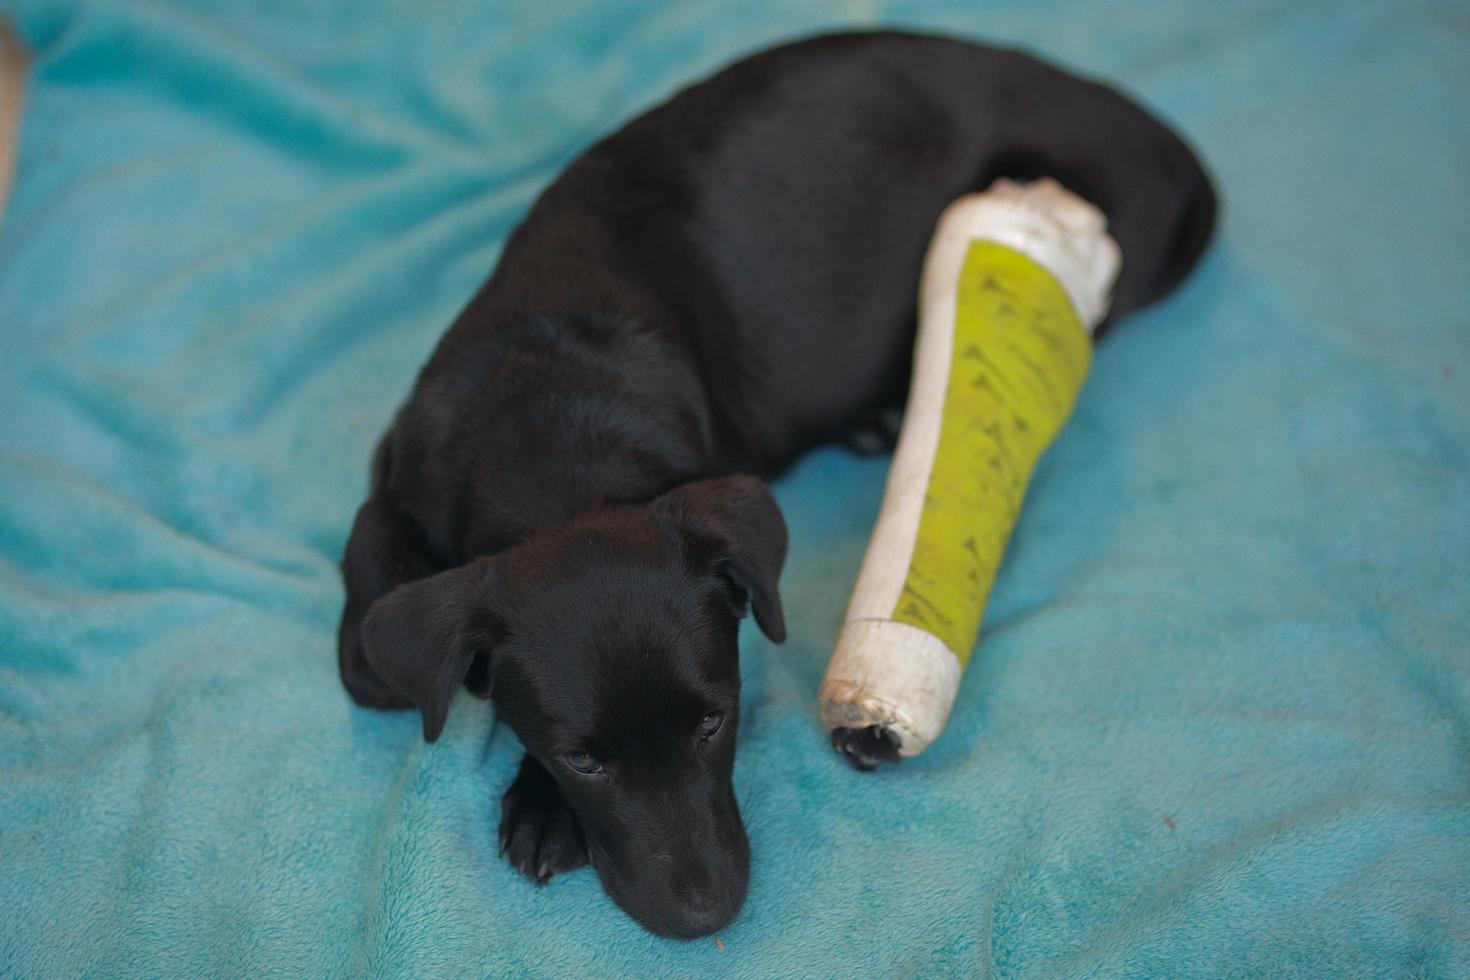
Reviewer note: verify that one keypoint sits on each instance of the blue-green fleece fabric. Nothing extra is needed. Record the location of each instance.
(1219, 719)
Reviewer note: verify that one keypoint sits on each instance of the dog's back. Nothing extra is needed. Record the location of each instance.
(770, 222)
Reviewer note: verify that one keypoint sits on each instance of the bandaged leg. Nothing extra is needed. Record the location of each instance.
(1015, 281)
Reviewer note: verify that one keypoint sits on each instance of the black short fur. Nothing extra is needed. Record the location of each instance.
(556, 519)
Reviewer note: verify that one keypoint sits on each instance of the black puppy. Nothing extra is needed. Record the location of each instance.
(729, 280)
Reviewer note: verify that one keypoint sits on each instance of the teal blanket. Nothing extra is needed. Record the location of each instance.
(1219, 722)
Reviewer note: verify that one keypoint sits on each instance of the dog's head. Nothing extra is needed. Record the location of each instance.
(610, 646)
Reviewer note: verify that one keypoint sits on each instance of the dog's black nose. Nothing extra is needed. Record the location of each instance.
(704, 899)
(704, 917)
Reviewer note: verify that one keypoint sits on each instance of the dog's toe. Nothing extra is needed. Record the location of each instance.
(539, 835)
(865, 748)
(561, 848)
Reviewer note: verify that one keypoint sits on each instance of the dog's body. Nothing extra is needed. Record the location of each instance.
(727, 281)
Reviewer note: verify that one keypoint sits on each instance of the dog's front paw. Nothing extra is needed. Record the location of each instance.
(539, 836)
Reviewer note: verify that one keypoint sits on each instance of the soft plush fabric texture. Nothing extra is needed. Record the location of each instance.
(1219, 720)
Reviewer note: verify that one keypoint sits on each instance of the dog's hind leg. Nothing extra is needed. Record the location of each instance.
(875, 434)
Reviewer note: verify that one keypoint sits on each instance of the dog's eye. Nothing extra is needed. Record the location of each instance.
(583, 762)
(711, 723)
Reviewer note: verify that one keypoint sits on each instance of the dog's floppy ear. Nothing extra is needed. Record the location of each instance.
(734, 521)
(422, 637)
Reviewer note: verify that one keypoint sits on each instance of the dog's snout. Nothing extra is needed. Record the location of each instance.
(680, 861)
(707, 895)
(704, 900)
(695, 891)
(702, 917)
